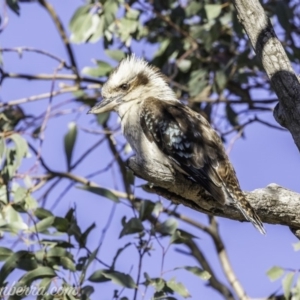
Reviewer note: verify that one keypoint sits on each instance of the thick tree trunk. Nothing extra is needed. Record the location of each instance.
(275, 62)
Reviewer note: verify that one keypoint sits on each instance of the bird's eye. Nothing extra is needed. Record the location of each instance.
(124, 86)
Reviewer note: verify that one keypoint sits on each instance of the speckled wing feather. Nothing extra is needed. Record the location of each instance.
(196, 149)
(180, 135)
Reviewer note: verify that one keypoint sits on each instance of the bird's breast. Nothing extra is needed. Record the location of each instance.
(135, 136)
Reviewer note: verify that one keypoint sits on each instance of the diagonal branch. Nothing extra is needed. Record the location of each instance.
(69, 89)
(274, 204)
(50, 77)
(213, 230)
(202, 260)
(275, 62)
(62, 33)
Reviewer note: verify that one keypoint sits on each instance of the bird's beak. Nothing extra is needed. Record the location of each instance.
(107, 104)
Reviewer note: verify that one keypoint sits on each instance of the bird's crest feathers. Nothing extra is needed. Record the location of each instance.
(133, 68)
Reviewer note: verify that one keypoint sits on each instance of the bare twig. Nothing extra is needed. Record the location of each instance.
(116, 154)
(224, 260)
(50, 77)
(86, 153)
(70, 89)
(19, 50)
(62, 34)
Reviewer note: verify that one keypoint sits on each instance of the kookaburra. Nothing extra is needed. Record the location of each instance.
(159, 127)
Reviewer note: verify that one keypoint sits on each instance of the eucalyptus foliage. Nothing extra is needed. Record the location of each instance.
(205, 54)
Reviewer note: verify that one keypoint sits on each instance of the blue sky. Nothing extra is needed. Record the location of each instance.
(265, 156)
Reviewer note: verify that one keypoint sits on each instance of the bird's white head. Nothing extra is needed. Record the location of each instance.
(133, 80)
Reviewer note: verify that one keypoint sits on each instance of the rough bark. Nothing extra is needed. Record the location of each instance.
(274, 204)
(275, 62)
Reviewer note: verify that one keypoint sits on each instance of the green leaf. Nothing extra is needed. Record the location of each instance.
(212, 10)
(102, 118)
(21, 146)
(102, 69)
(129, 176)
(29, 277)
(91, 258)
(158, 284)
(179, 288)
(101, 192)
(61, 224)
(56, 243)
(232, 116)
(14, 6)
(68, 263)
(146, 209)
(184, 65)
(196, 271)
(99, 29)
(221, 80)
(42, 213)
(70, 139)
(10, 264)
(83, 25)
(197, 82)
(193, 8)
(168, 227)
(118, 253)
(117, 55)
(128, 26)
(30, 203)
(134, 225)
(287, 284)
(158, 208)
(20, 194)
(43, 224)
(110, 9)
(274, 273)
(28, 262)
(59, 252)
(85, 234)
(43, 287)
(87, 291)
(296, 246)
(80, 12)
(5, 253)
(2, 149)
(132, 14)
(13, 221)
(119, 278)
(98, 276)
(180, 236)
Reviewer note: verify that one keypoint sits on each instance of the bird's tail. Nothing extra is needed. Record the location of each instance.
(249, 213)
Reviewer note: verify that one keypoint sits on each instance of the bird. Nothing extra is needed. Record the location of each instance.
(158, 126)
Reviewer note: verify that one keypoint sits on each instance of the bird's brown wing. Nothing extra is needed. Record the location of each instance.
(188, 140)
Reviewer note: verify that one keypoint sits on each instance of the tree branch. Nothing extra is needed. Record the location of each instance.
(275, 62)
(69, 89)
(274, 204)
(20, 51)
(213, 230)
(50, 77)
(202, 260)
(62, 33)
